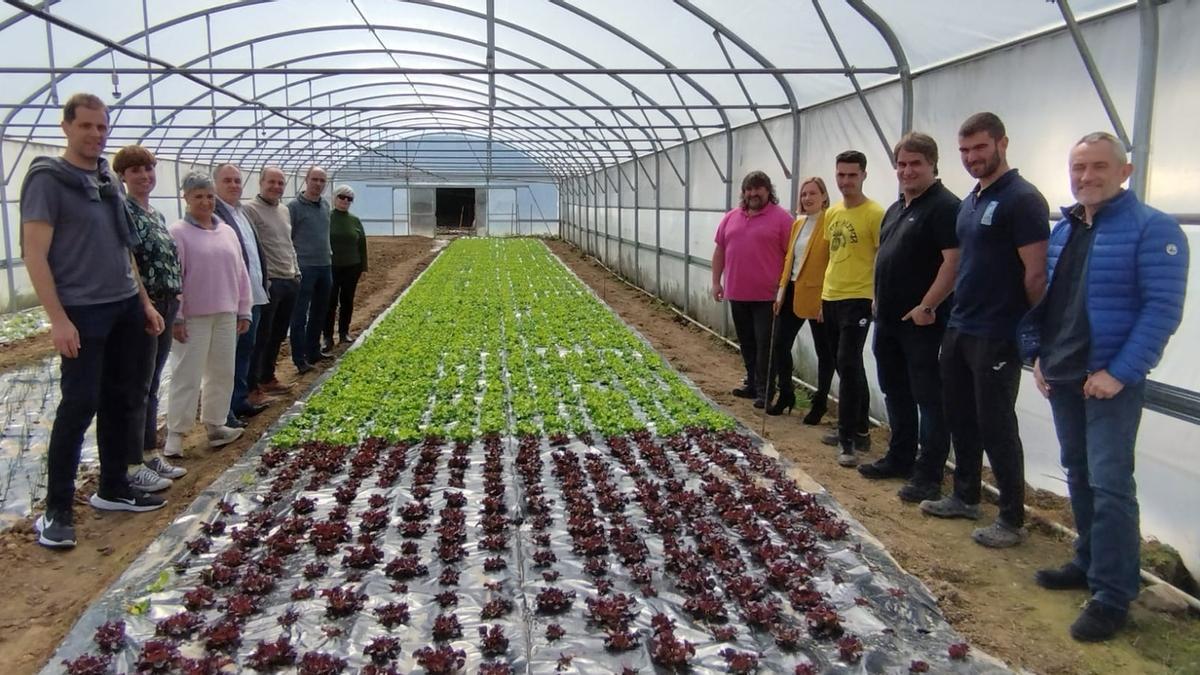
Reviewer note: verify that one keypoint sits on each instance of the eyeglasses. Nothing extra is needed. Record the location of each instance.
(346, 197)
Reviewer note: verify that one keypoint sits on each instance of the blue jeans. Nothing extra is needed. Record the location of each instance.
(308, 316)
(1097, 438)
(241, 365)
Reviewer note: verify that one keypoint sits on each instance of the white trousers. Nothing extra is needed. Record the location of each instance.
(202, 372)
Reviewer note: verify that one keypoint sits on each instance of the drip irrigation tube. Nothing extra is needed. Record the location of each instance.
(1146, 575)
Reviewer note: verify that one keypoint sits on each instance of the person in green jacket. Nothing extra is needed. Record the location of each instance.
(349, 243)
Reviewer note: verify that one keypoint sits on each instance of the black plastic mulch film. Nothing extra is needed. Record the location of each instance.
(443, 542)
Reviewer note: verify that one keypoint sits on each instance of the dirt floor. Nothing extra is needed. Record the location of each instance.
(46, 591)
(987, 595)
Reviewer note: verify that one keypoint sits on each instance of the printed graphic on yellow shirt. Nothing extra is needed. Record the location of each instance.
(842, 237)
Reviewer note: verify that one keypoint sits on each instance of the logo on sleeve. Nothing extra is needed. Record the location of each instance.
(1172, 249)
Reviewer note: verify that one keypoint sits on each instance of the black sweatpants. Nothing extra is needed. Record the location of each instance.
(752, 323)
(848, 322)
(981, 377)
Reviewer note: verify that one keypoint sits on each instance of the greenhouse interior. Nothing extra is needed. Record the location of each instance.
(572, 421)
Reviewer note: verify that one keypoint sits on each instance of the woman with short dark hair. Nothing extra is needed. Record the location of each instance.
(158, 264)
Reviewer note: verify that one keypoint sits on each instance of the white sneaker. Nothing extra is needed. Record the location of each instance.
(147, 480)
(165, 469)
(174, 445)
(219, 434)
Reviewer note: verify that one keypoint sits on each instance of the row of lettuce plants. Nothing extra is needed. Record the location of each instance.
(499, 337)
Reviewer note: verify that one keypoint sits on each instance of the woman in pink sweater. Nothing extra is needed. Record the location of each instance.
(214, 309)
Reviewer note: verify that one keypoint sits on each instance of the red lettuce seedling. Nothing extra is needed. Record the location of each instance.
(320, 663)
(443, 660)
(256, 583)
(621, 640)
(496, 608)
(271, 655)
(740, 662)
(918, 667)
(554, 600)
(446, 598)
(554, 632)
(493, 642)
(405, 567)
(958, 651)
(303, 593)
(392, 614)
(823, 622)
(612, 611)
(240, 606)
(850, 648)
(448, 577)
(180, 625)
(288, 618)
(315, 570)
(110, 637)
(201, 597)
(222, 635)
(342, 601)
(158, 656)
(209, 664)
(671, 653)
(88, 664)
(706, 606)
(446, 627)
(382, 649)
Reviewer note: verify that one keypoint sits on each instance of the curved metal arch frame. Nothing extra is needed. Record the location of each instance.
(399, 113)
(682, 138)
(365, 85)
(439, 34)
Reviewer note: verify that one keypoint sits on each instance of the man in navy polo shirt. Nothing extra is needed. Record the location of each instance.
(1003, 226)
(914, 275)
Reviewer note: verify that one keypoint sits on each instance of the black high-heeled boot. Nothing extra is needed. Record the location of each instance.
(816, 412)
(786, 401)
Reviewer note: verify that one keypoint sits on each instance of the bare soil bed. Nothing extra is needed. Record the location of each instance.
(46, 591)
(987, 595)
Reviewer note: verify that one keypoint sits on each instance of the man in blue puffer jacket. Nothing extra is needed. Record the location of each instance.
(1118, 275)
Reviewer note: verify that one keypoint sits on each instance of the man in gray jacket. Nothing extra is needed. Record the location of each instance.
(310, 235)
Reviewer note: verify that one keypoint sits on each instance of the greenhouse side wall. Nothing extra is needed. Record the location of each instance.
(16, 158)
(661, 239)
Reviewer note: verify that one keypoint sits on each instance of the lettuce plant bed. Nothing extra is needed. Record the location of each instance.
(503, 478)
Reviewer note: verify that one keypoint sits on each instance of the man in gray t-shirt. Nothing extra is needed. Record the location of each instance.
(75, 241)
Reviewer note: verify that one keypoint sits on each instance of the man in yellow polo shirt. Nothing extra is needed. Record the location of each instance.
(852, 227)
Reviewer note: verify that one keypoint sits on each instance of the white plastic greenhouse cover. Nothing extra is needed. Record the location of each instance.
(243, 49)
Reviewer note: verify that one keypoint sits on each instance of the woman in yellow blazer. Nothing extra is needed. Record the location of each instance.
(799, 300)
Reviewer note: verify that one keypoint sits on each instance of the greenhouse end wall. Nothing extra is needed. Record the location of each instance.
(661, 239)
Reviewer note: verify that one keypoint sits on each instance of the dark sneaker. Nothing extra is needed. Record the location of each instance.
(1098, 622)
(915, 492)
(847, 458)
(745, 392)
(303, 368)
(1066, 578)
(884, 468)
(345, 338)
(950, 507)
(131, 500)
(250, 409)
(999, 535)
(55, 530)
(833, 440)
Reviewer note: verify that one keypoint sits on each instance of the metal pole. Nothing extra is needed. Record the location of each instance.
(1143, 107)
(1093, 70)
(9, 263)
(894, 44)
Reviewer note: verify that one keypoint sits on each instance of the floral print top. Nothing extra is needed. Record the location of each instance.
(155, 253)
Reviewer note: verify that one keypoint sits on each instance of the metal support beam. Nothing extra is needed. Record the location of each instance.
(192, 73)
(1093, 72)
(1143, 105)
(851, 73)
(894, 44)
(787, 172)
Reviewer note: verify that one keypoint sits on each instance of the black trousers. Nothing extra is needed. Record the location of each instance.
(752, 323)
(785, 336)
(341, 299)
(906, 359)
(848, 322)
(107, 381)
(981, 377)
(273, 324)
(155, 351)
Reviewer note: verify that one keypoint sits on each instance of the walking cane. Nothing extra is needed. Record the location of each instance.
(767, 391)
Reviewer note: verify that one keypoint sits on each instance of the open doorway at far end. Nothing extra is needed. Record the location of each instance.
(455, 208)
